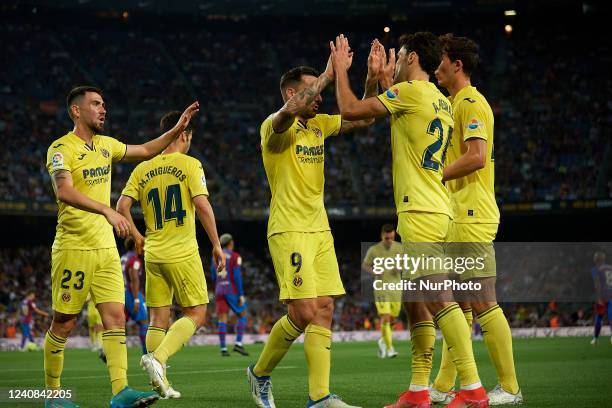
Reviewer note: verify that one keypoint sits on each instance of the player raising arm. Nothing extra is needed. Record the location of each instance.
(84, 256)
(299, 236)
(421, 127)
(171, 189)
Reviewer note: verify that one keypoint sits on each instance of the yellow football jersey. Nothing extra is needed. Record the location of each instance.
(473, 196)
(90, 167)
(294, 162)
(165, 187)
(421, 126)
(379, 250)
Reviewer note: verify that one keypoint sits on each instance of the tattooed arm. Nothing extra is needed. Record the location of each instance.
(284, 118)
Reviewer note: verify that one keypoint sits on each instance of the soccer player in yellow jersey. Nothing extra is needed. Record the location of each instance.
(389, 304)
(171, 189)
(421, 126)
(299, 236)
(469, 176)
(84, 257)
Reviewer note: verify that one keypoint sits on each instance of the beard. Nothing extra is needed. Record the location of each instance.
(95, 127)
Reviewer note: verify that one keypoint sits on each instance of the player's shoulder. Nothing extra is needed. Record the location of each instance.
(193, 165)
(190, 160)
(325, 117)
(471, 98)
(326, 121)
(397, 246)
(267, 122)
(62, 143)
(106, 140)
(377, 247)
(142, 166)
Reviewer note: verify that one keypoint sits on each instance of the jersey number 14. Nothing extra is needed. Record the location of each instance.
(173, 208)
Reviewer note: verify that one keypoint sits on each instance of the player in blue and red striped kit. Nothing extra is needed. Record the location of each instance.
(28, 308)
(229, 294)
(602, 278)
(135, 307)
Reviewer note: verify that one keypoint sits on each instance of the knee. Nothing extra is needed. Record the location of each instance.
(325, 310)
(63, 326)
(197, 314)
(113, 318)
(481, 307)
(303, 315)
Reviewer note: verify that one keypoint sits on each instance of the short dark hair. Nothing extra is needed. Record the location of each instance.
(168, 121)
(461, 49)
(427, 47)
(129, 243)
(294, 76)
(387, 228)
(79, 92)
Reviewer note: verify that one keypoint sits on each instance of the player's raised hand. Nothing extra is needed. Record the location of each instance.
(187, 114)
(219, 258)
(388, 71)
(118, 221)
(375, 60)
(341, 54)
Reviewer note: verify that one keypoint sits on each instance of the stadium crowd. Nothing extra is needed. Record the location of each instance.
(25, 269)
(543, 147)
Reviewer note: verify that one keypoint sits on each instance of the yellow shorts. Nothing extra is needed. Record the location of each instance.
(305, 264)
(76, 273)
(184, 280)
(473, 241)
(391, 308)
(93, 316)
(424, 236)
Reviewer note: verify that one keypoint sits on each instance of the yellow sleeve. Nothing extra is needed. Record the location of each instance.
(132, 187)
(118, 149)
(197, 180)
(59, 158)
(402, 97)
(331, 124)
(275, 142)
(369, 258)
(472, 118)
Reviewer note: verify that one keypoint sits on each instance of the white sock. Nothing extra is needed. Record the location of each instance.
(471, 387)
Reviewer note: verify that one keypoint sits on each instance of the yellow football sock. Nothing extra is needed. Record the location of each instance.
(280, 339)
(423, 337)
(178, 335)
(447, 374)
(498, 338)
(92, 336)
(317, 346)
(387, 334)
(155, 335)
(459, 343)
(54, 359)
(113, 342)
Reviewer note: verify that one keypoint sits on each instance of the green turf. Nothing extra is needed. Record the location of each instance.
(553, 372)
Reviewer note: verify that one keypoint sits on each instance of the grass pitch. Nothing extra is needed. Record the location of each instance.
(553, 372)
